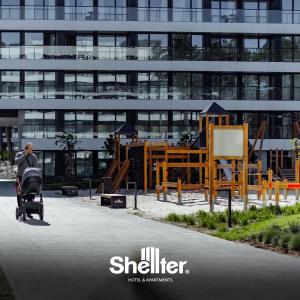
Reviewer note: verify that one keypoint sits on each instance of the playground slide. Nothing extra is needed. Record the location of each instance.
(226, 171)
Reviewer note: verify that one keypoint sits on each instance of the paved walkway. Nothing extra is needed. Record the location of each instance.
(67, 257)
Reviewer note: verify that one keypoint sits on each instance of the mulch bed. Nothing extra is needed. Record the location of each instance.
(271, 247)
(5, 290)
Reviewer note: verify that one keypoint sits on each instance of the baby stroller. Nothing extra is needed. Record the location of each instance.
(30, 187)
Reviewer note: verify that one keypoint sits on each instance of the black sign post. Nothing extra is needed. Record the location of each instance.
(135, 193)
(229, 222)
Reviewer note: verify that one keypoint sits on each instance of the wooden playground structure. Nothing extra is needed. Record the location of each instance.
(218, 159)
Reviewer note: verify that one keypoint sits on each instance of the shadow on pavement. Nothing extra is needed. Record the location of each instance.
(35, 222)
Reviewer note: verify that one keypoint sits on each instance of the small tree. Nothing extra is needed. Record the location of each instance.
(67, 142)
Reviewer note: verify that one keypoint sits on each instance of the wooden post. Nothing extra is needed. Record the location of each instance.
(285, 189)
(210, 167)
(297, 177)
(276, 163)
(157, 180)
(277, 191)
(245, 167)
(119, 151)
(179, 190)
(164, 166)
(233, 167)
(264, 183)
(145, 167)
(259, 179)
(270, 179)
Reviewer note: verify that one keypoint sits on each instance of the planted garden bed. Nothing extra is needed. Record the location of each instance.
(272, 227)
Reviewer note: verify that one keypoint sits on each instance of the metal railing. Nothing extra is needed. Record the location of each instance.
(148, 53)
(146, 14)
(153, 131)
(145, 91)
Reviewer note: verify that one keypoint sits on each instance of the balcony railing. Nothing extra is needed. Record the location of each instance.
(144, 91)
(155, 131)
(145, 14)
(147, 53)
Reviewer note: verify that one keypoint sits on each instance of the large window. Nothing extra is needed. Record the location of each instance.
(84, 163)
(108, 122)
(256, 49)
(79, 123)
(39, 124)
(153, 85)
(79, 85)
(34, 42)
(40, 9)
(224, 86)
(258, 87)
(153, 10)
(10, 84)
(185, 123)
(112, 86)
(152, 46)
(223, 11)
(153, 125)
(112, 10)
(84, 47)
(187, 46)
(10, 9)
(187, 10)
(10, 45)
(79, 10)
(112, 47)
(256, 11)
(38, 84)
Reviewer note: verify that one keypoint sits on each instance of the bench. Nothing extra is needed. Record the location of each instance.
(69, 190)
(113, 200)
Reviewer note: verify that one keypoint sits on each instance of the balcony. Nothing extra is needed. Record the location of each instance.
(145, 14)
(153, 53)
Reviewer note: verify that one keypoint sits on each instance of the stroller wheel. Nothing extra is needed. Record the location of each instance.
(42, 213)
(24, 216)
(17, 213)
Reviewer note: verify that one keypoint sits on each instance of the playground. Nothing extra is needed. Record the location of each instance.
(218, 163)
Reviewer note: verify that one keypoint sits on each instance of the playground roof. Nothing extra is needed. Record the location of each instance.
(126, 129)
(214, 108)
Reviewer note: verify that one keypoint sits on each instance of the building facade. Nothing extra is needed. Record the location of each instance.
(85, 67)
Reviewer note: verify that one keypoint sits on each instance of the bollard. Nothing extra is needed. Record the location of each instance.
(179, 191)
(277, 191)
(135, 193)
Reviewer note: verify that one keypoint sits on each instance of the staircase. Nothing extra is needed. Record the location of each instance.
(119, 177)
(288, 174)
(111, 169)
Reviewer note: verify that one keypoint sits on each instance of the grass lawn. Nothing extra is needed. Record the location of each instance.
(271, 226)
(243, 232)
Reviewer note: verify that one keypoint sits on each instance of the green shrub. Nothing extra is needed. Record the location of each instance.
(294, 227)
(173, 217)
(259, 236)
(284, 240)
(211, 224)
(223, 228)
(188, 219)
(294, 243)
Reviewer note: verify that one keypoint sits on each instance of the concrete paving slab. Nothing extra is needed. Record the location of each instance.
(68, 257)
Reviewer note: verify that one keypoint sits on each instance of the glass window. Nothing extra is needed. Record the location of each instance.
(250, 83)
(33, 84)
(297, 87)
(10, 45)
(10, 84)
(287, 86)
(84, 163)
(49, 163)
(112, 86)
(34, 42)
(181, 86)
